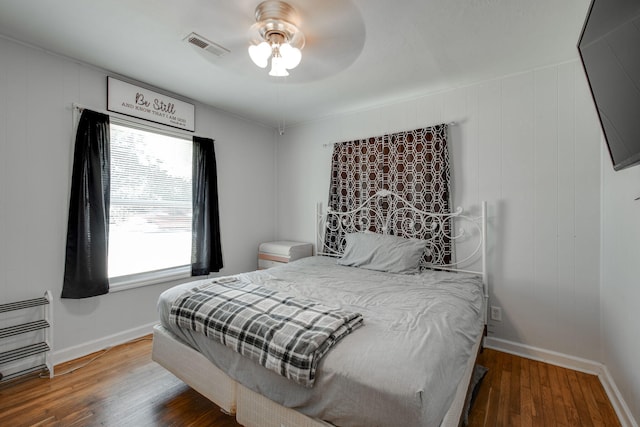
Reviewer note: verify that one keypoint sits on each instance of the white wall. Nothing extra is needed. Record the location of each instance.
(529, 145)
(620, 290)
(36, 93)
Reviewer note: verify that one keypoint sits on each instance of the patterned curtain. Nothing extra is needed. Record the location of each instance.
(413, 164)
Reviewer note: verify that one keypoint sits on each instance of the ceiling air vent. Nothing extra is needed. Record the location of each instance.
(209, 46)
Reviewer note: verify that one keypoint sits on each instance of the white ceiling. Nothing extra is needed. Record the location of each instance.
(359, 53)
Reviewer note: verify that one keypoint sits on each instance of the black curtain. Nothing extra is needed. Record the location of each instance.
(206, 251)
(85, 271)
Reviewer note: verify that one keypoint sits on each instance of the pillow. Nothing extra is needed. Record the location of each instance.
(380, 252)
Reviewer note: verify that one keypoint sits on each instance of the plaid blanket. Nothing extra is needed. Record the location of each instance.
(284, 334)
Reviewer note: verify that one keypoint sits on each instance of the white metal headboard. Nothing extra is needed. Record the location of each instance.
(406, 220)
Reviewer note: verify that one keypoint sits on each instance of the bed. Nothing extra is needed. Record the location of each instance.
(409, 364)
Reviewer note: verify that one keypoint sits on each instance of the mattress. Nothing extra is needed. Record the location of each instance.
(401, 368)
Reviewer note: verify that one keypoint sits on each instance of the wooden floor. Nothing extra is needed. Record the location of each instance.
(123, 387)
(522, 392)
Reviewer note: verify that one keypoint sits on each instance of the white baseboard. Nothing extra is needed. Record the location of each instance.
(542, 355)
(67, 354)
(571, 362)
(619, 404)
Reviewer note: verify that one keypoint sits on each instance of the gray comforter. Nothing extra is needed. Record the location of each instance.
(401, 368)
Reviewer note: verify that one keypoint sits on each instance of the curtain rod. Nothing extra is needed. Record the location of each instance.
(331, 144)
(139, 122)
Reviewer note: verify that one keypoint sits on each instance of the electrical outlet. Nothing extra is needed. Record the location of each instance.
(496, 313)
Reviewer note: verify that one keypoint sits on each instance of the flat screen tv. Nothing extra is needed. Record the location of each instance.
(609, 47)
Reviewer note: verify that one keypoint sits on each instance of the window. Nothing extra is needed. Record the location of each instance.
(149, 203)
(150, 210)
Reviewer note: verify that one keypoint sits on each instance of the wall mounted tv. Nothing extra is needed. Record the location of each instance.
(609, 47)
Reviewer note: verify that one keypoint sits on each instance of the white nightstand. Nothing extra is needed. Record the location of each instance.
(272, 254)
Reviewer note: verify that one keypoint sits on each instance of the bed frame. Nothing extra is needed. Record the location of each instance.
(386, 212)
(254, 410)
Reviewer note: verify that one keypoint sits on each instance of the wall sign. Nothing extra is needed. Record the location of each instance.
(146, 104)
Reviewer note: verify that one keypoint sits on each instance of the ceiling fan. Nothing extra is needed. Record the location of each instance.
(319, 39)
(277, 37)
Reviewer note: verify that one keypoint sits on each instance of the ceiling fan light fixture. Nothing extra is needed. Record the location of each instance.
(291, 56)
(260, 54)
(276, 37)
(278, 68)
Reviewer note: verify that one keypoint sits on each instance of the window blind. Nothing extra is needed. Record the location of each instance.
(151, 208)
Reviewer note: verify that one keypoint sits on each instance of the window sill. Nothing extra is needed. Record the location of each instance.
(124, 283)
